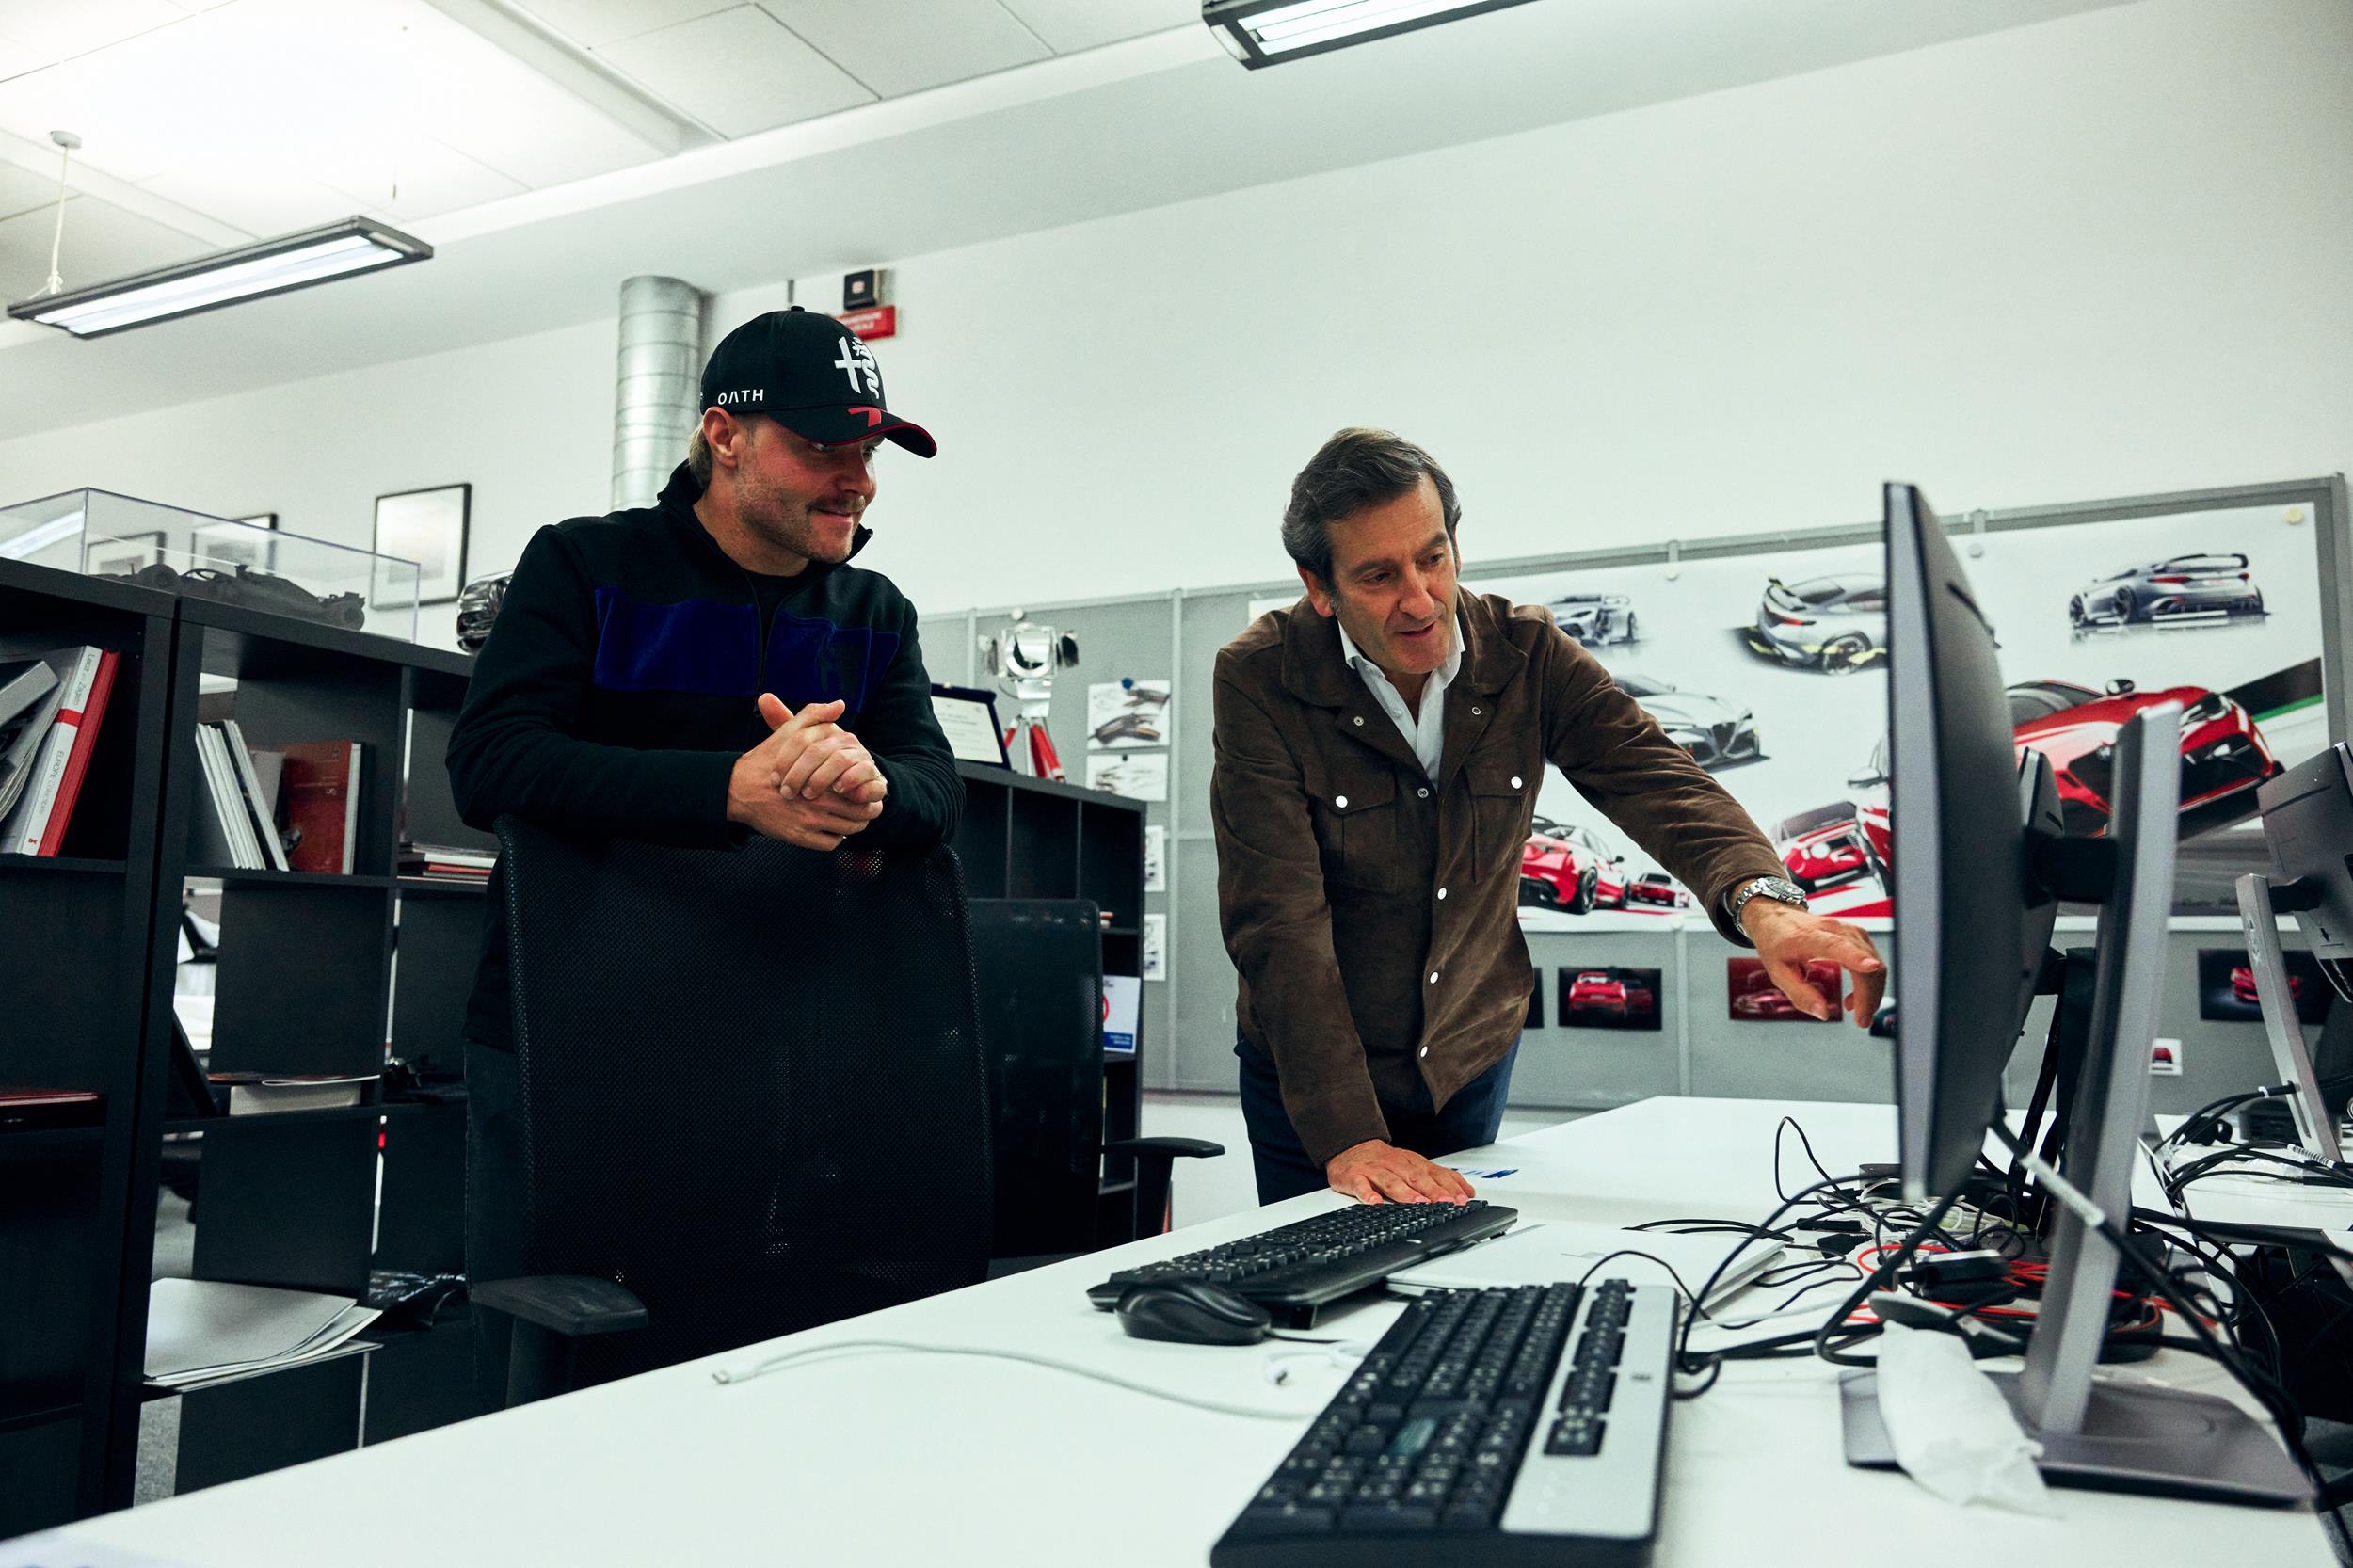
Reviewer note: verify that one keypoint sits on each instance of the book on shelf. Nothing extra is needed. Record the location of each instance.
(265, 1094)
(320, 786)
(20, 746)
(201, 1330)
(212, 827)
(37, 1109)
(22, 683)
(228, 800)
(446, 862)
(261, 802)
(86, 678)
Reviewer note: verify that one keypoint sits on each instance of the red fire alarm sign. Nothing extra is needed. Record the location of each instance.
(879, 321)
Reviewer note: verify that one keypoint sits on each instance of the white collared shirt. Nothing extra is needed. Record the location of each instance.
(1426, 734)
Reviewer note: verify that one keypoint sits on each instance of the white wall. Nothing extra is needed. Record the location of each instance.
(2102, 256)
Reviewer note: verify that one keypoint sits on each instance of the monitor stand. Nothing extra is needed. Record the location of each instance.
(2099, 1434)
(2315, 1127)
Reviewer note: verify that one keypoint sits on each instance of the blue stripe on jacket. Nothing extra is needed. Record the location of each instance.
(705, 646)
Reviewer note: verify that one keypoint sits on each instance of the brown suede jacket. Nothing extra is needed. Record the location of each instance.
(1372, 910)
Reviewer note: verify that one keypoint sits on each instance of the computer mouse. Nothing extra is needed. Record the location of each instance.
(1192, 1312)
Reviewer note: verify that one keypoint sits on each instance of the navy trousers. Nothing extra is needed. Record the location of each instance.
(1472, 1117)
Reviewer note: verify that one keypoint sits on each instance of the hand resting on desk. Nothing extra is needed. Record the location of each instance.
(1378, 1172)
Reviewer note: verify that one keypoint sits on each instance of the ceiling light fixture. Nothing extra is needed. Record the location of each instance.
(249, 272)
(1268, 32)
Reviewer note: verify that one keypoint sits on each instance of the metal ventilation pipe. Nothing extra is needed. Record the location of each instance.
(656, 400)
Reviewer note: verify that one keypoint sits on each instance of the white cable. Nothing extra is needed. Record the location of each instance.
(66, 141)
(2062, 1189)
(775, 1363)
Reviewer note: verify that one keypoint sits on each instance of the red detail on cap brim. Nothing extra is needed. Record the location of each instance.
(913, 437)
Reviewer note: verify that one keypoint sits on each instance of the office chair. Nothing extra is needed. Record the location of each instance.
(1042, 1024)
(750, 1099)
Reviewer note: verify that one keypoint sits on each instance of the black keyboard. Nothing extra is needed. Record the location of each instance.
(1296, 1268)
(1466, 1438)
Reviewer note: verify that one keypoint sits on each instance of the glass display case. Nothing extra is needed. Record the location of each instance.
(237, 561)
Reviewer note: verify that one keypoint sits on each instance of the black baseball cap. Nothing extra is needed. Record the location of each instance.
(810, 375)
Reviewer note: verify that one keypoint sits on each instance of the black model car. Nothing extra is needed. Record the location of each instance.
(477, 607)
(2216, 584)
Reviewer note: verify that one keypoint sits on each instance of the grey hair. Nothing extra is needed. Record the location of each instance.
(699, 457)
(1355, 469)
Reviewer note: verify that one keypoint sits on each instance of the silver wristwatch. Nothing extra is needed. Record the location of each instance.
(1777, 888)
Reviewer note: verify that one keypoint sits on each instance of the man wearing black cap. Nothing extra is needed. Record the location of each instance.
(710, 666)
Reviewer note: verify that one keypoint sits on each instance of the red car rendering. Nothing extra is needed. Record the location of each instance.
(2223, 752)
(1656, 890)
(1610, 994)
(1837, 844)
(1756, 995)
(2242, 986)
(1571, 869)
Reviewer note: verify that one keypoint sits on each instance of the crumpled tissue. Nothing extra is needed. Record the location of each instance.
(1952, 1431)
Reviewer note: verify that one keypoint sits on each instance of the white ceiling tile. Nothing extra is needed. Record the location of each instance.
(740, 72)
(1070, 25)
(101, 242)
(57, 29)
(263, 197)
(476, 99)
(597, 23)
(902, 46)
(426, 179)
(21, 191)
(260, 79)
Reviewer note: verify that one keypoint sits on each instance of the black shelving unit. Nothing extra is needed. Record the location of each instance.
(1035, 838)
(325, 973)
(304, 983)
(78, 961)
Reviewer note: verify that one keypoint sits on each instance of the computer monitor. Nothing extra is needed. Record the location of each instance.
(1967, 915)
(1977, 874)
(2308, 823)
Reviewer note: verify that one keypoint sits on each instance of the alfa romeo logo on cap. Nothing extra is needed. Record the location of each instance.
(858, 363)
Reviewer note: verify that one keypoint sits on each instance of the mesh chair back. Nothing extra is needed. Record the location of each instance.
(751, 1082)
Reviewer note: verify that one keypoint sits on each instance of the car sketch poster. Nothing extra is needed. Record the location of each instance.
(1707, 647)
(1127, 715)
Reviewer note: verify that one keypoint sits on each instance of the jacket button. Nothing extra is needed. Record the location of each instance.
(1515, 782)
(1340, 800)
(1423, 791)
(1474, 712)
(1442, 892)
(1360, 719)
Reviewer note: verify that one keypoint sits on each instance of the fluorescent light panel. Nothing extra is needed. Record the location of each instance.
(270, 266)
(1267, 32)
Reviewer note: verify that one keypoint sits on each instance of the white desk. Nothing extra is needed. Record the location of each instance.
(881, 1459)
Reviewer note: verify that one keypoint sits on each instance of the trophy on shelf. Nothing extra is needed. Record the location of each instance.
(1023, 658)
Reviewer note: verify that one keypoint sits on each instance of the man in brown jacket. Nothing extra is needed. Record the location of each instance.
(1378, 763)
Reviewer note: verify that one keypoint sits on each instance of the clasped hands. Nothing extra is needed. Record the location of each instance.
(809, 783)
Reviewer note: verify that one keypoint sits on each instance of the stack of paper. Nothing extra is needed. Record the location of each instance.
(200, 1329)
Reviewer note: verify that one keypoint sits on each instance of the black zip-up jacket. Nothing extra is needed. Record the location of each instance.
(619, 686)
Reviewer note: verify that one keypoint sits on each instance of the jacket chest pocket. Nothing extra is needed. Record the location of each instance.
(1360, 834)
(1504, 803)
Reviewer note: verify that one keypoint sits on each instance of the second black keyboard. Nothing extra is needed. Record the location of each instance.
(1295, 1269)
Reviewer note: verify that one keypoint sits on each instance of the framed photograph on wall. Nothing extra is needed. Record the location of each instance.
(242, 542)
(125, 555)
(429, 528)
